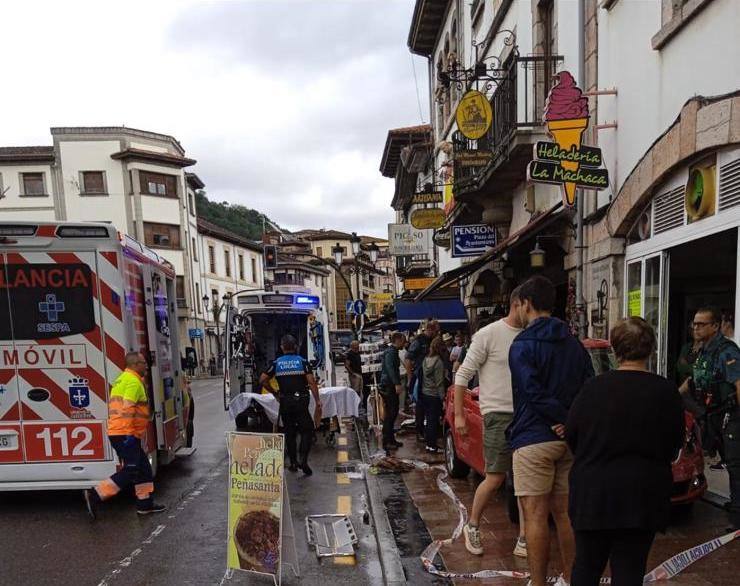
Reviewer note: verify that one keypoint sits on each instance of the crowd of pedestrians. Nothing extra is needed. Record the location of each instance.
(593, 454)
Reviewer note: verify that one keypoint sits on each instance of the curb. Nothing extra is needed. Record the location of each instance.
(390, 561)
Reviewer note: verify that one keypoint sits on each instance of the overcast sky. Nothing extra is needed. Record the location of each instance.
(285, 104)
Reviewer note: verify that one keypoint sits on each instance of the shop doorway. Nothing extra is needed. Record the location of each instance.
(702, 273)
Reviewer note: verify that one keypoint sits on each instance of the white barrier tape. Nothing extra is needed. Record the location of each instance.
(679, 562)
(664, 571)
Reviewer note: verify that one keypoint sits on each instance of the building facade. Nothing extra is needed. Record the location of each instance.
(229, 264)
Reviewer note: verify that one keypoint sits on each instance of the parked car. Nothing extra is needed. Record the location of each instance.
(464, 453)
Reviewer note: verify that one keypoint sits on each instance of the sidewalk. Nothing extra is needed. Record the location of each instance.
(689, 528)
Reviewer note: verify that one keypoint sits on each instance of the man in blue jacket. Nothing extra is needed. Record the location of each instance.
(548, 367)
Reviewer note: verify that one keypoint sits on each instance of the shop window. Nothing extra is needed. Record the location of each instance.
(34, 184)
(158, 184)
(92, 183)
(162, 235)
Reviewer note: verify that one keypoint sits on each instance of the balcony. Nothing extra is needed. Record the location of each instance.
(518, 106)
(413, 265)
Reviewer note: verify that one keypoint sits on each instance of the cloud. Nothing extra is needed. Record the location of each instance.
(285, 104)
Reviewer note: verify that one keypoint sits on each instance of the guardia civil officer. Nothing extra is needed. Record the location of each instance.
(294, 378)
(716, 376)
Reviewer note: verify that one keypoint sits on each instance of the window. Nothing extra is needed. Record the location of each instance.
(33, 184)
(211, 259)
(254, 270)
(191, 204)
(197, 298)
(92, 183)
(319, 252)
(158, 184)
(195, 250)
(227, 262)
(161, 235)
(241, 267)
(180, 291)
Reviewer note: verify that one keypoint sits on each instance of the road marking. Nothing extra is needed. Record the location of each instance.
(126, 562)
(342, 441)
(342, 478)
(344, 507)
(342, 456)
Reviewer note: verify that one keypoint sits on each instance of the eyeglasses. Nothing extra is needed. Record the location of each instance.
(702, 324)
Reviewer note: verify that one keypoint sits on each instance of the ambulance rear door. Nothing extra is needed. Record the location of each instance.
(53, 364)
(164, 359)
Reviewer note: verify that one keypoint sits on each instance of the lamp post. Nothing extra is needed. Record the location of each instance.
(217, 309)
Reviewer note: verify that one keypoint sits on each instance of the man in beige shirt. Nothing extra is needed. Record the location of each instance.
(489, 357)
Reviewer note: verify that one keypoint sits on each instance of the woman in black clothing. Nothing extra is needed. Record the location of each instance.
(624, 428)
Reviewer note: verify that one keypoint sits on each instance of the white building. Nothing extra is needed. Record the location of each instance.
(229, 263)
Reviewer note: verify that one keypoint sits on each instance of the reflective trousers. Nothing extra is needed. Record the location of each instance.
(135, 471)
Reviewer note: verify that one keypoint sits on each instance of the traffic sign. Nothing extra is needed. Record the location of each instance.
(472, 240)
(349, 306)
(360, 307)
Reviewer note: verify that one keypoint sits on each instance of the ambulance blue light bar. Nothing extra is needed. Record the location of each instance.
(308, 300)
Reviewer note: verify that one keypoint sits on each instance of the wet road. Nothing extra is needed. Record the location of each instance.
(49, 540)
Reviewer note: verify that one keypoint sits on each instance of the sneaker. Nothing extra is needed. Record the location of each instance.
(472, 539)
(155, 508)
(91, 501)
(561, 581)
(520, 549)
(306, 469)
(717, 466)
(432, 450)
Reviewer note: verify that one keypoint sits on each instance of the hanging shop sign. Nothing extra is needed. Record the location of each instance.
(474, 115)
(699, 198)
(426, 218)
(381, 298)
(472, 239)
(405, 240)
(566, 161)
(473, 158)
(418, 283)
(426, 197)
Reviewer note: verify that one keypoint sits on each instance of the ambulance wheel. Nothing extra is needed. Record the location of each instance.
(154, 462)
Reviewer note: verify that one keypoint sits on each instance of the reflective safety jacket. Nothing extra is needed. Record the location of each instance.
(128, 407)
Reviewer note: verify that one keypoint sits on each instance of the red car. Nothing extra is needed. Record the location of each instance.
(464, 453)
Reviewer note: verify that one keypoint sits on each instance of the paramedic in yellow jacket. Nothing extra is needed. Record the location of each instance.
(128, 418)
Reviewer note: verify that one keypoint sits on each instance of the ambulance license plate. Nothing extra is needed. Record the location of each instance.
(8, 440)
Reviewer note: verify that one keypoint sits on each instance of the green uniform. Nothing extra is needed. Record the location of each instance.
(716, 370)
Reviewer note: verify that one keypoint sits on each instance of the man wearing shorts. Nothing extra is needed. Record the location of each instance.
(548, 368)
(489, 357)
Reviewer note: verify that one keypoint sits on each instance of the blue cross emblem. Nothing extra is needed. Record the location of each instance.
(51, 307)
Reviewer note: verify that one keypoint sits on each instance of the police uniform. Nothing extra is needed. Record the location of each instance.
(290, 372)
(716, 371)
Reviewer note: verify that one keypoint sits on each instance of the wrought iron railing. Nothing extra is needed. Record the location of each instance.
(517, 103)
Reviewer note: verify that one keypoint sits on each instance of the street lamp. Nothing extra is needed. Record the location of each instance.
(354, 240)
(537, 256)
(373, 249)
(337, 251)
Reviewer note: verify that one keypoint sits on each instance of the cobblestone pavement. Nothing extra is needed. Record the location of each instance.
(689, 528)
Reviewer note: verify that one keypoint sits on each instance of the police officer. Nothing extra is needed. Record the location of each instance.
(294, 378)
(716, 375)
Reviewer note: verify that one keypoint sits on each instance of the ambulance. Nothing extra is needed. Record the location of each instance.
(256, 322)
(74, 299)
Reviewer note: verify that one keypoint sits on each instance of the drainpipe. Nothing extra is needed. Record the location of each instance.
(580, 201)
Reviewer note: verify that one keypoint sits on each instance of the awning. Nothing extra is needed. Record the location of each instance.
(454, 275)
(450, 313)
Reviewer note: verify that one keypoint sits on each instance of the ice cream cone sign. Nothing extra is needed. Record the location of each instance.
(566, 161)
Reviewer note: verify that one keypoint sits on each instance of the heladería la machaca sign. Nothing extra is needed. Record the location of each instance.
(566, 161)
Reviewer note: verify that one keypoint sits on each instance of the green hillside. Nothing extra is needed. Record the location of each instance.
(242, 220)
